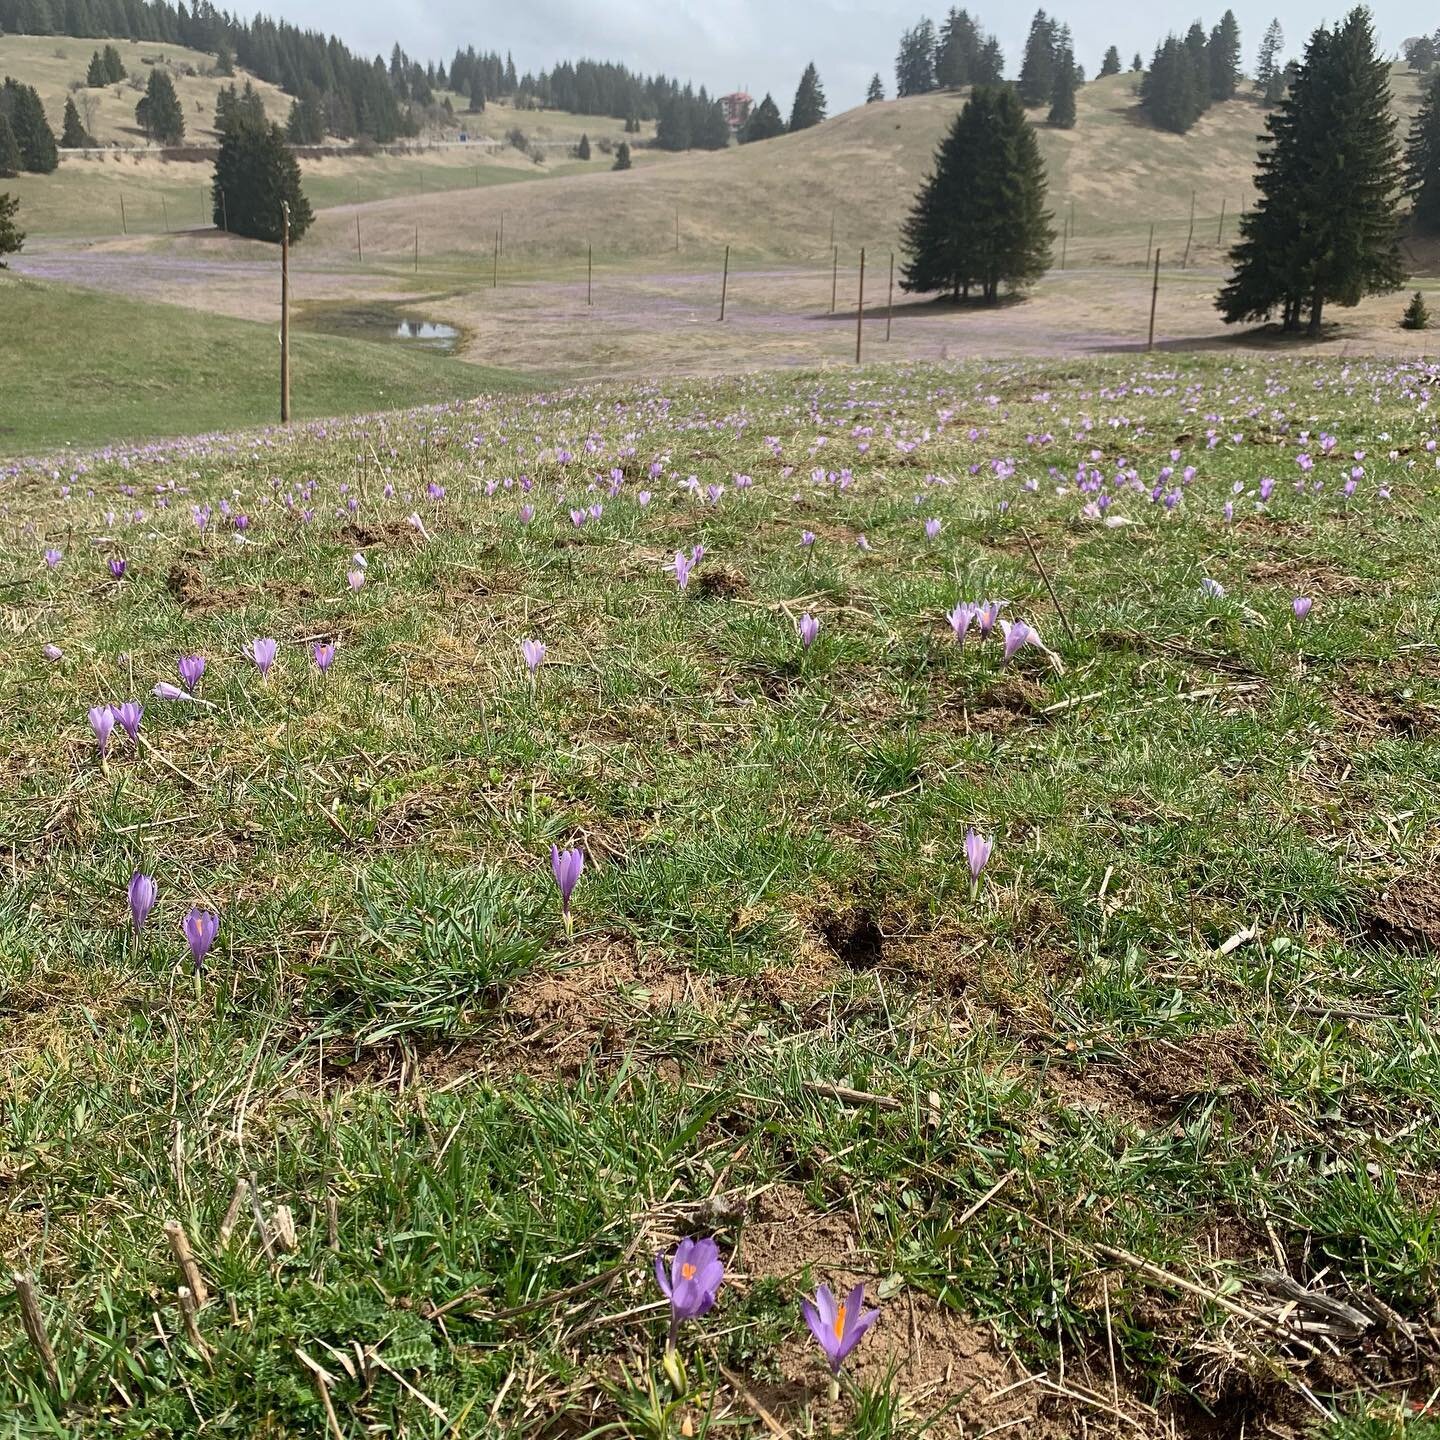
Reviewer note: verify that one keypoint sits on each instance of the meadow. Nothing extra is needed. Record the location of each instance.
(1005, 797)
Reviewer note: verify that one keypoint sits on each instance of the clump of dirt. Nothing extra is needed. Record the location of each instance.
(1168, 1075)
(786, 1234)
(188, 586)
(391, 532)
(1408, 915)
(1009, 704)
(854, 936)
(717, 583)
(1307, 575)
(1386, 714)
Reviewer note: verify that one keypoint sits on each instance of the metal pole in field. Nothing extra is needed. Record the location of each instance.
(124, 229)
(832, 228)
(1154, 298)
(501, 241)
(725, 283)
(890, 301)
(589, 274)
(860, 308)
(834, 278)
(1220, 233)
(284, 313)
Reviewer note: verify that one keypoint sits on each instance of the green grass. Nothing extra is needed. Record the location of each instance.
(1182, 1034)
(97, 368)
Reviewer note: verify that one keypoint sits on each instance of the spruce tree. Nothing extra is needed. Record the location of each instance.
(915, 63)
(622, 156)
(765, 122)
(477, 95)
(224, 59)
(1037, 70)
(96, 76)
(73, 135)
(809, 106)
(1422, 160)
(1325, 229)
(990, 67)
(33, 136)
(1417, 314)
(11, 162)
(159, 114)
(1137, 65)
(1110, 65)
(254, 172)
(12, 237)
(980, 219)
(582, 150)
(115, 70)
(1267, 61)
(1223, 57)
(873, 92)
(1062, 97)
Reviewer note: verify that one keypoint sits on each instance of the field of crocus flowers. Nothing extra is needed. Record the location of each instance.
(883, 904)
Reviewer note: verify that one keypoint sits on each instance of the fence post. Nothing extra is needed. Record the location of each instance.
(284, 313)
(417, 247)
(890, 300)
(1220, 233)
(589, 274)
(165, 214)
(359, 244)
(495, 272)
(725, 283)
(124, 229)
(1154, 297)
(860, 308)
(834, 277)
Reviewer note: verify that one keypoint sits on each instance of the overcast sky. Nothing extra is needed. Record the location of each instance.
(763, 45)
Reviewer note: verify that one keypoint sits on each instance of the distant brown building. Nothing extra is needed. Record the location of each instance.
(737, 108)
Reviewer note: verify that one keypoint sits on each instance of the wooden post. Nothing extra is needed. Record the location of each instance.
(495, 272)
(165, 214)
(832, 227)
(890, 300)
(725, 283)
(589, 274)
(417, 247)
(1154, 298)
(501, 241)
(1065, 246)
(202, 205)
(1189, 239)
(35, 1331)
(124, 229)
(860, 309)
(834, 277)
(1150, 244)
(359, 245)
(224, 211)
(677, 229)
(198, 1290)
(1220, 233)
(1071, 229)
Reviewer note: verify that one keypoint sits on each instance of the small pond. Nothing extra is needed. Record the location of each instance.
(386, 323)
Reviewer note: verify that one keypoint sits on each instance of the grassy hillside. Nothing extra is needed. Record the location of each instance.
(95, 368)
(54, 63)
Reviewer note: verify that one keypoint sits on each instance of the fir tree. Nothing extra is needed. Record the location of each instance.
(115, 70)
(1223, 57)
(96, 76)
(980, 219)
(34, 138)
(159, 114)
(1267, 61)
(990, 67)
(915, 64)
(1417, 314)
(765, 122)
(254, 172)
(12, 237)
(73, 135)
(1110, 65)
(582, 150)
(224, 59)
(873, 92)
(477, 95)
(809, 106)
(1137, 65)
(1062, 97)
(1419, 53)
(1325, 228)
(306, 123)
(1037, 70)
(1170, 94)
(1422, 160)
(622, 156)
(11, 162)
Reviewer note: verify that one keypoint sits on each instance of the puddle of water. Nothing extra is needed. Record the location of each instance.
(385, 323)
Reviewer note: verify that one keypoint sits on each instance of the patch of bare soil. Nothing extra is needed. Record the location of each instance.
(1307, 575)
(1407, 914)
(188, 586)
(854, 936)
(719, 583)
(391, 532)
(1373, 715)
(1009, 704)
(1168, 1075)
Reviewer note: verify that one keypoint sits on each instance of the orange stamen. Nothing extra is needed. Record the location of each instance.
(840, 1322)
(687, 1271)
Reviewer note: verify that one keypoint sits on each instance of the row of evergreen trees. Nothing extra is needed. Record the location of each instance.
(807, 109)
(947, 57)
(106, 68)
(1189, 75)
(26, 140)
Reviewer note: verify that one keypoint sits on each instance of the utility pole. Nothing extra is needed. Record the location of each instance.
(1154, 298)
(589, 274)
(725, 283)
(860, 309)
(284, 313)
(834, 277)
(890, 301)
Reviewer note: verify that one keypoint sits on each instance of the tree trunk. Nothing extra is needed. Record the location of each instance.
(1317, 307)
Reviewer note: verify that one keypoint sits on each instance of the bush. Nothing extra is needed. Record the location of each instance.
(516, 137)
(1417, 316)
(11, 236)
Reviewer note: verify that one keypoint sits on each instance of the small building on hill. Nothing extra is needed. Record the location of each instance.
(737, 108)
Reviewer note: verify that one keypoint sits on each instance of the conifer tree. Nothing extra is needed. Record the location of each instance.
(915, 63)
(1137, 65)
(873, 92)
(1417, 314)
(1422, 160)
(73, 135)
(1170, 90)
(1110, 65)
(11, 162)
(1325, 229)
(980, 219)
(34, 138)
(224, 58)
(1267, 61)
(12, 237)
(622, 156)
(990, 67)
(809, 106)
(96, 76)
(582, 150)
(159, 114)
(765, 122)
(1223, 57)
(115, 70)
(477, 95)
(1062, 97)
(254, 172)
(1037, 70)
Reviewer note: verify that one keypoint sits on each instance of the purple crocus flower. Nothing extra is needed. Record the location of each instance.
(809, 628)
(838, 1325)
(682, 567)
(166, 691)
(262, 652)
(1212, 589)
(1301, 606)
(54, 652)
(977, 856)
(191, 668)
(52, 559)
(527, 514)
(356, 578)
(201, 928)
(117, 568)
(807, 538)
(695, 1274)
(102, 722)
(324, 657)
(127, 716)
(1016, 635)
(643, 499)
(986, 615)
(142, 899)
(932, 528)
(534, 653)
(566, 866)
(961, 618)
